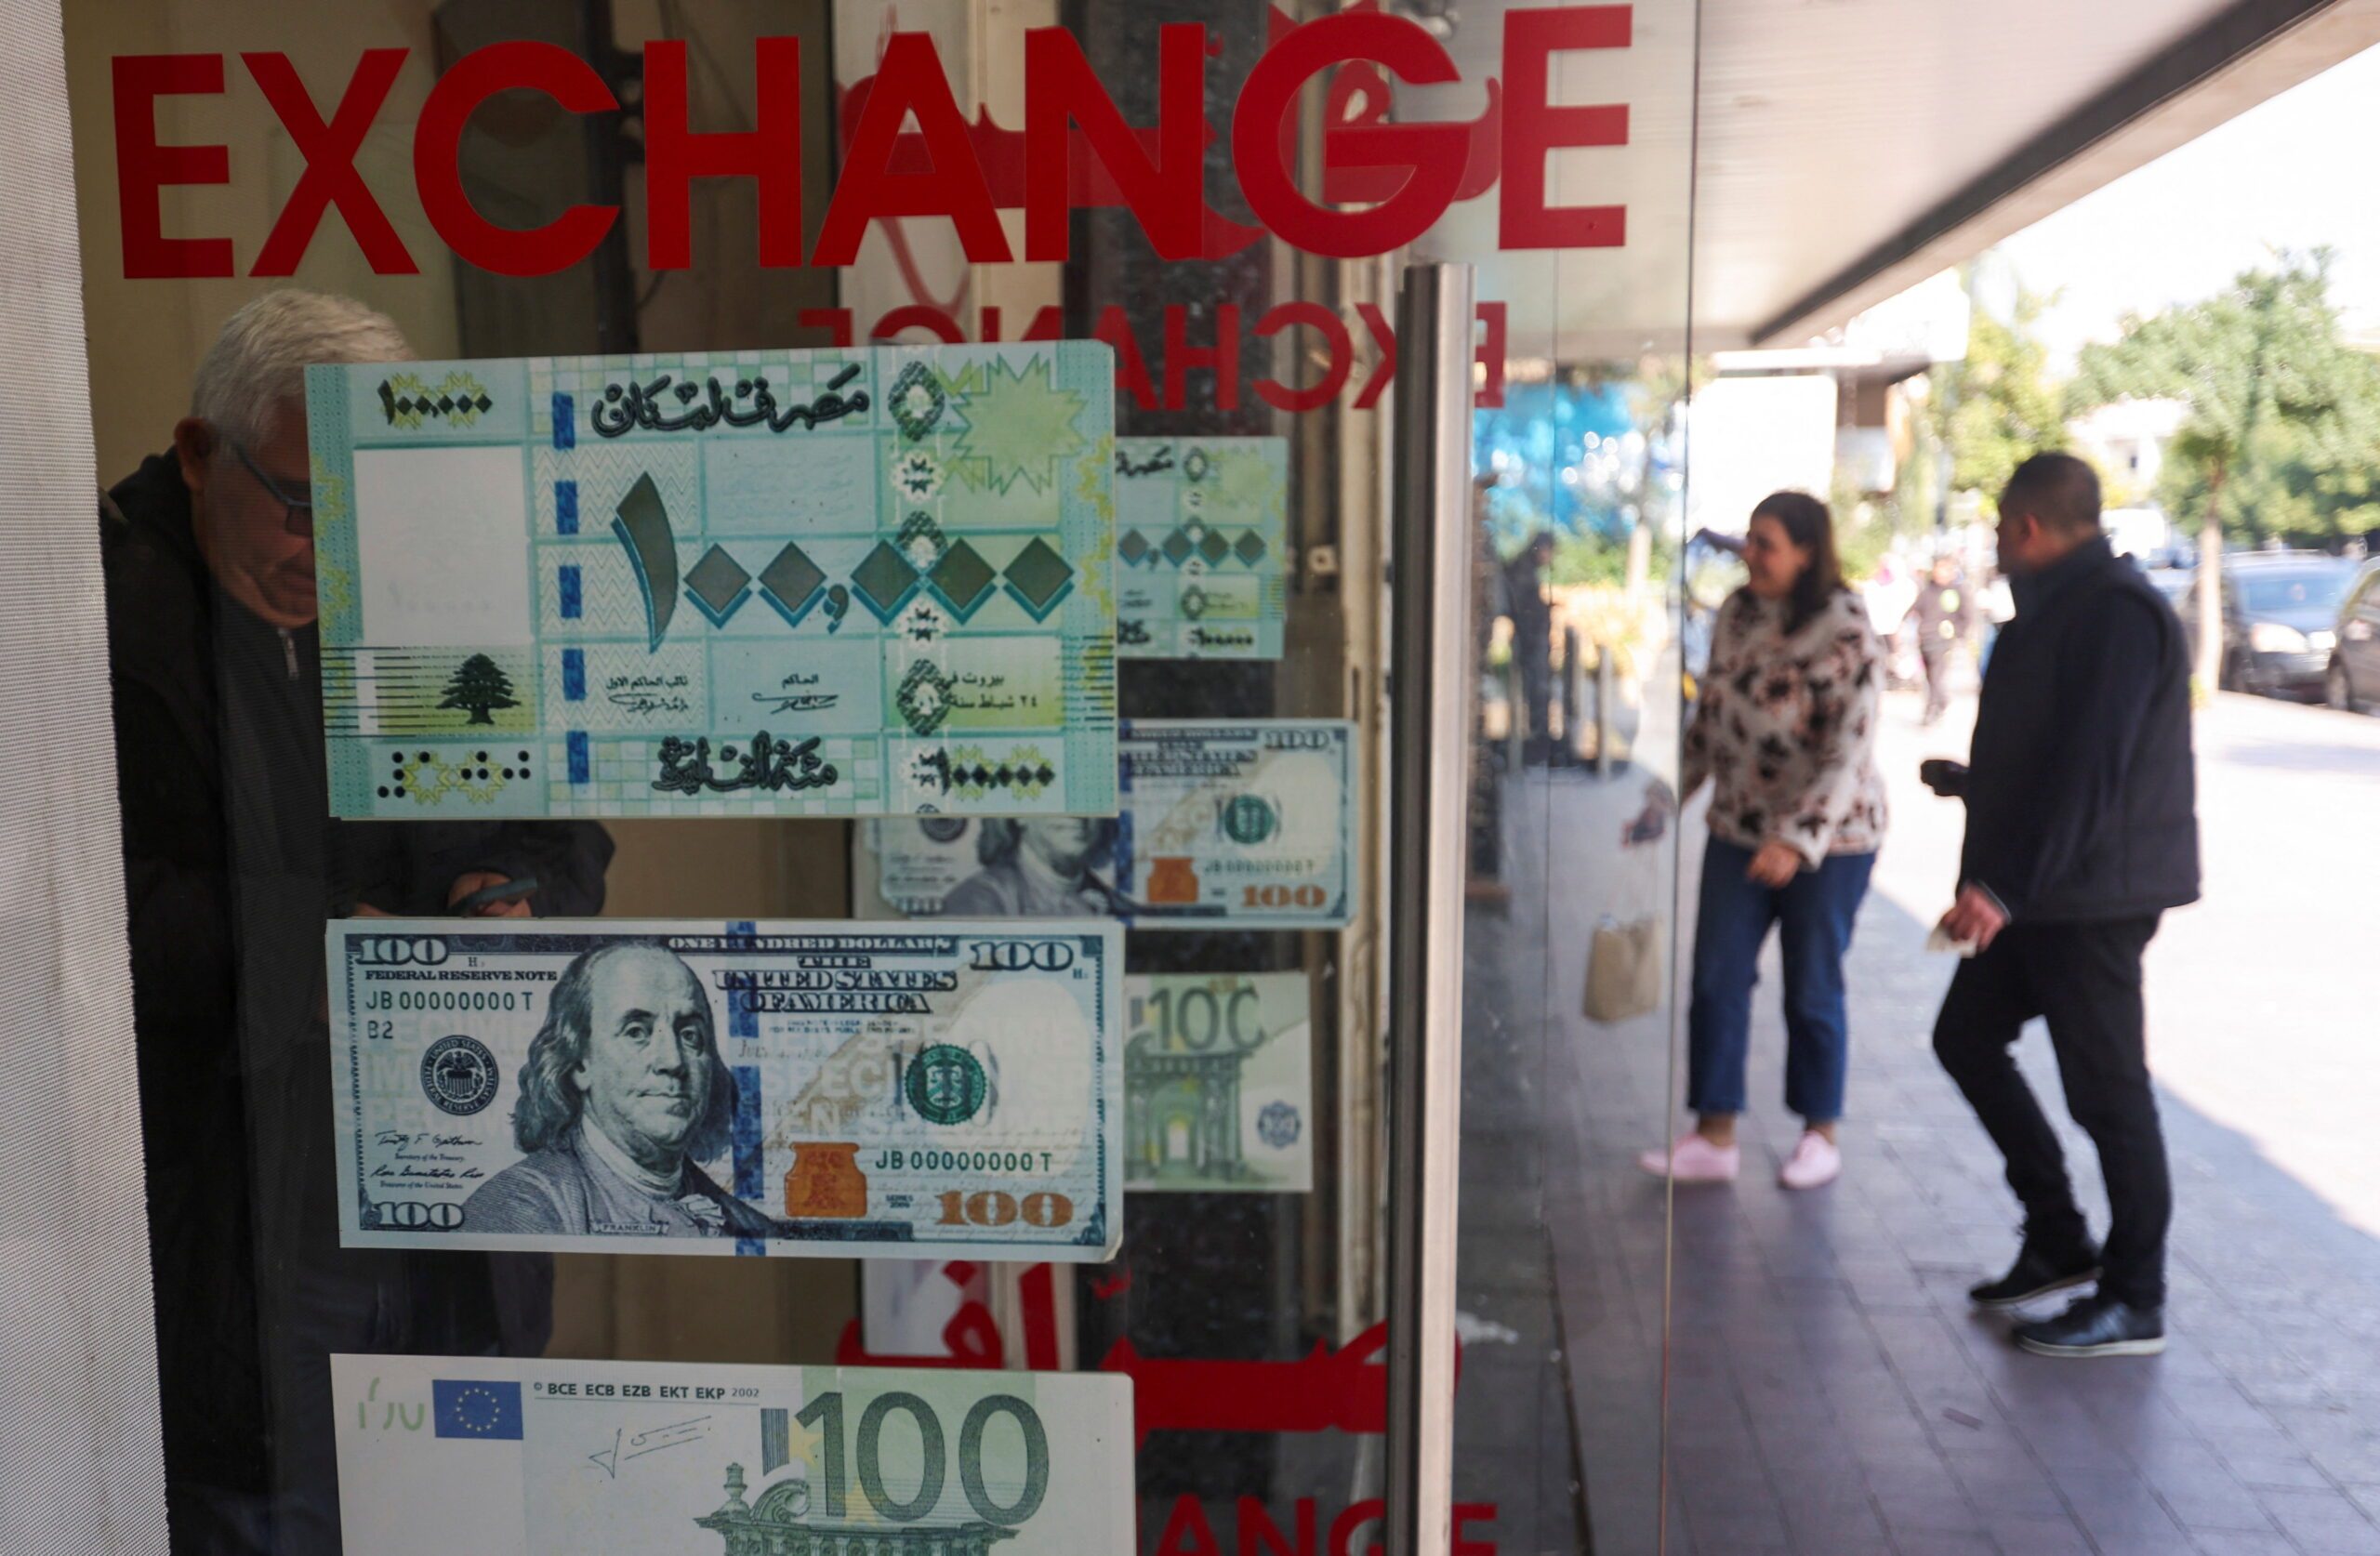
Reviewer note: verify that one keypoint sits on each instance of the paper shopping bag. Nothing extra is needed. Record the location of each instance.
(1624, 970)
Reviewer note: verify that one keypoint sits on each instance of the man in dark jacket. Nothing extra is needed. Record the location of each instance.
(232, 866)
(2082, 831)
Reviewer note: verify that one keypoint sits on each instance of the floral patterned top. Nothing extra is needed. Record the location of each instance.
(1786, 727)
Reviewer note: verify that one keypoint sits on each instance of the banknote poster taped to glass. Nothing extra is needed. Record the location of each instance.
(440, 1454)
(1223, 825)
(1201, 548)
(821, 1090)
(873, 581)
(1218, 1083)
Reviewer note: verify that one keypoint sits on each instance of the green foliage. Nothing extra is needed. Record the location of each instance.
(1997, 408)
(1864, 530)
(1593, 559)
(2282, 439)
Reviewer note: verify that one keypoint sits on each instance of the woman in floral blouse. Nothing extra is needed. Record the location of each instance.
(1785, 732)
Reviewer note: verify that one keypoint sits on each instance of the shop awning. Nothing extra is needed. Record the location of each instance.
(1842, 150)
(1849, 149)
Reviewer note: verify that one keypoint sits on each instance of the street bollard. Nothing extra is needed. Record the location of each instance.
(1606, 676)
(1573, 691)
(1516, 720)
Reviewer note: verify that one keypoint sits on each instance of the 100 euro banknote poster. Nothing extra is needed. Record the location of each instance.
(1201, 548)
(873, 581)
(1223, 825)
(440, 1456)
(1218, 1083)
(782, 1088)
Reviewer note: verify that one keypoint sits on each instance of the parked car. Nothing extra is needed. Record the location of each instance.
(2352, 679)
(2170, 582)
(2280, 620)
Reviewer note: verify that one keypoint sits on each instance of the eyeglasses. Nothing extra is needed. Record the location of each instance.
(299, 519)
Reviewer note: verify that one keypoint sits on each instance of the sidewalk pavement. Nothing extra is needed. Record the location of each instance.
(1830, 1392)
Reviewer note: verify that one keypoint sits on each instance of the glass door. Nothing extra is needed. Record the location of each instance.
(963, 578)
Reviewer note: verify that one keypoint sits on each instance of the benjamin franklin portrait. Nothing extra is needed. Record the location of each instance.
(1040, 867)
(623, 1095)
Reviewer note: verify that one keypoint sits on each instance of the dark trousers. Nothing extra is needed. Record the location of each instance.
(2085, 979)
(1935, 656)
(1815, 913)
(1537, 695)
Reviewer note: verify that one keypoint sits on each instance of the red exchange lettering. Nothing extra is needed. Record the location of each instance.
(1163, 194)
(437, 158)
(1338, 361)
(1431, 154)
(1533, 128)
(768, 153)
(329, 149)
(143, 168)
(909, 83)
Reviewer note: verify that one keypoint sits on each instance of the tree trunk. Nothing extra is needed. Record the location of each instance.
(2209, 588)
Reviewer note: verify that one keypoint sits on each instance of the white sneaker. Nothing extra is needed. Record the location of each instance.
(1694, 1160)
(1815, 1162)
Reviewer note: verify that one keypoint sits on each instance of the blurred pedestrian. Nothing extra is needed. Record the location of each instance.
(1943, 616)
(2082, 831)
(1784, 729)
(1532, 617)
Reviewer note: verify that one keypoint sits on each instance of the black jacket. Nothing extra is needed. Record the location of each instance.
(2081, 789)
(231, 866)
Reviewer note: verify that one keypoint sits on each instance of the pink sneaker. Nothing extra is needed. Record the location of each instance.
(1815, 1162)
(1694, 1160)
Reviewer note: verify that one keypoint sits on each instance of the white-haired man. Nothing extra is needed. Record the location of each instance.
(231, 866)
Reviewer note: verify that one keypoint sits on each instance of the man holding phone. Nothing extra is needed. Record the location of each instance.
(2082, 831)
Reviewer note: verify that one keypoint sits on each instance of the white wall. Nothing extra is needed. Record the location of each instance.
(1748, 437)
(80, 1456)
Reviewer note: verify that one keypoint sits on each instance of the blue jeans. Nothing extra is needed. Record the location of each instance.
(1815, 914)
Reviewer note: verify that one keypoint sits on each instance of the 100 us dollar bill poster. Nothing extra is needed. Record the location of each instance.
(769, 1089)
(865, 581)
(439, 1456)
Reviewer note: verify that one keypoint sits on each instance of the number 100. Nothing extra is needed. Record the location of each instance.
(826, 1412)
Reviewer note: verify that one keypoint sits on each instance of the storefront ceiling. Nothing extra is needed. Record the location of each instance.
(1846, 150)
(1849, 148)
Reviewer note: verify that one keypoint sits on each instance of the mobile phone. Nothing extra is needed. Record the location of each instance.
(502, 892)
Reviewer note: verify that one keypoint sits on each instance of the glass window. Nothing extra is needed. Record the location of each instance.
(609, 615)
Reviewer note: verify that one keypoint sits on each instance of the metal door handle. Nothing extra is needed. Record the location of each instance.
(1430, 745)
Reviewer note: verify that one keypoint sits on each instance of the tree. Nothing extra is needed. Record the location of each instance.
(1997, 408)
(478, 684)
(2283, 423)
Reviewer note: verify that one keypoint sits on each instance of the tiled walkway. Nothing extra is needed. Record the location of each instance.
(1830, 1393)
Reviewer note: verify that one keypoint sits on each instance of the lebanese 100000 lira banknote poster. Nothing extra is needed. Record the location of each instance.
(875, 581)
(1223, 825)
(439, 1456)
(1218, 1083)
(834, 1090)
(1201, 548)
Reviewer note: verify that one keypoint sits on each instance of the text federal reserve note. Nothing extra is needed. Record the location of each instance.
(829, 1089)
(868, 581)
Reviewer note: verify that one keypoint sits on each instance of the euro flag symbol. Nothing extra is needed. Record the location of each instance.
(468, 1408)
